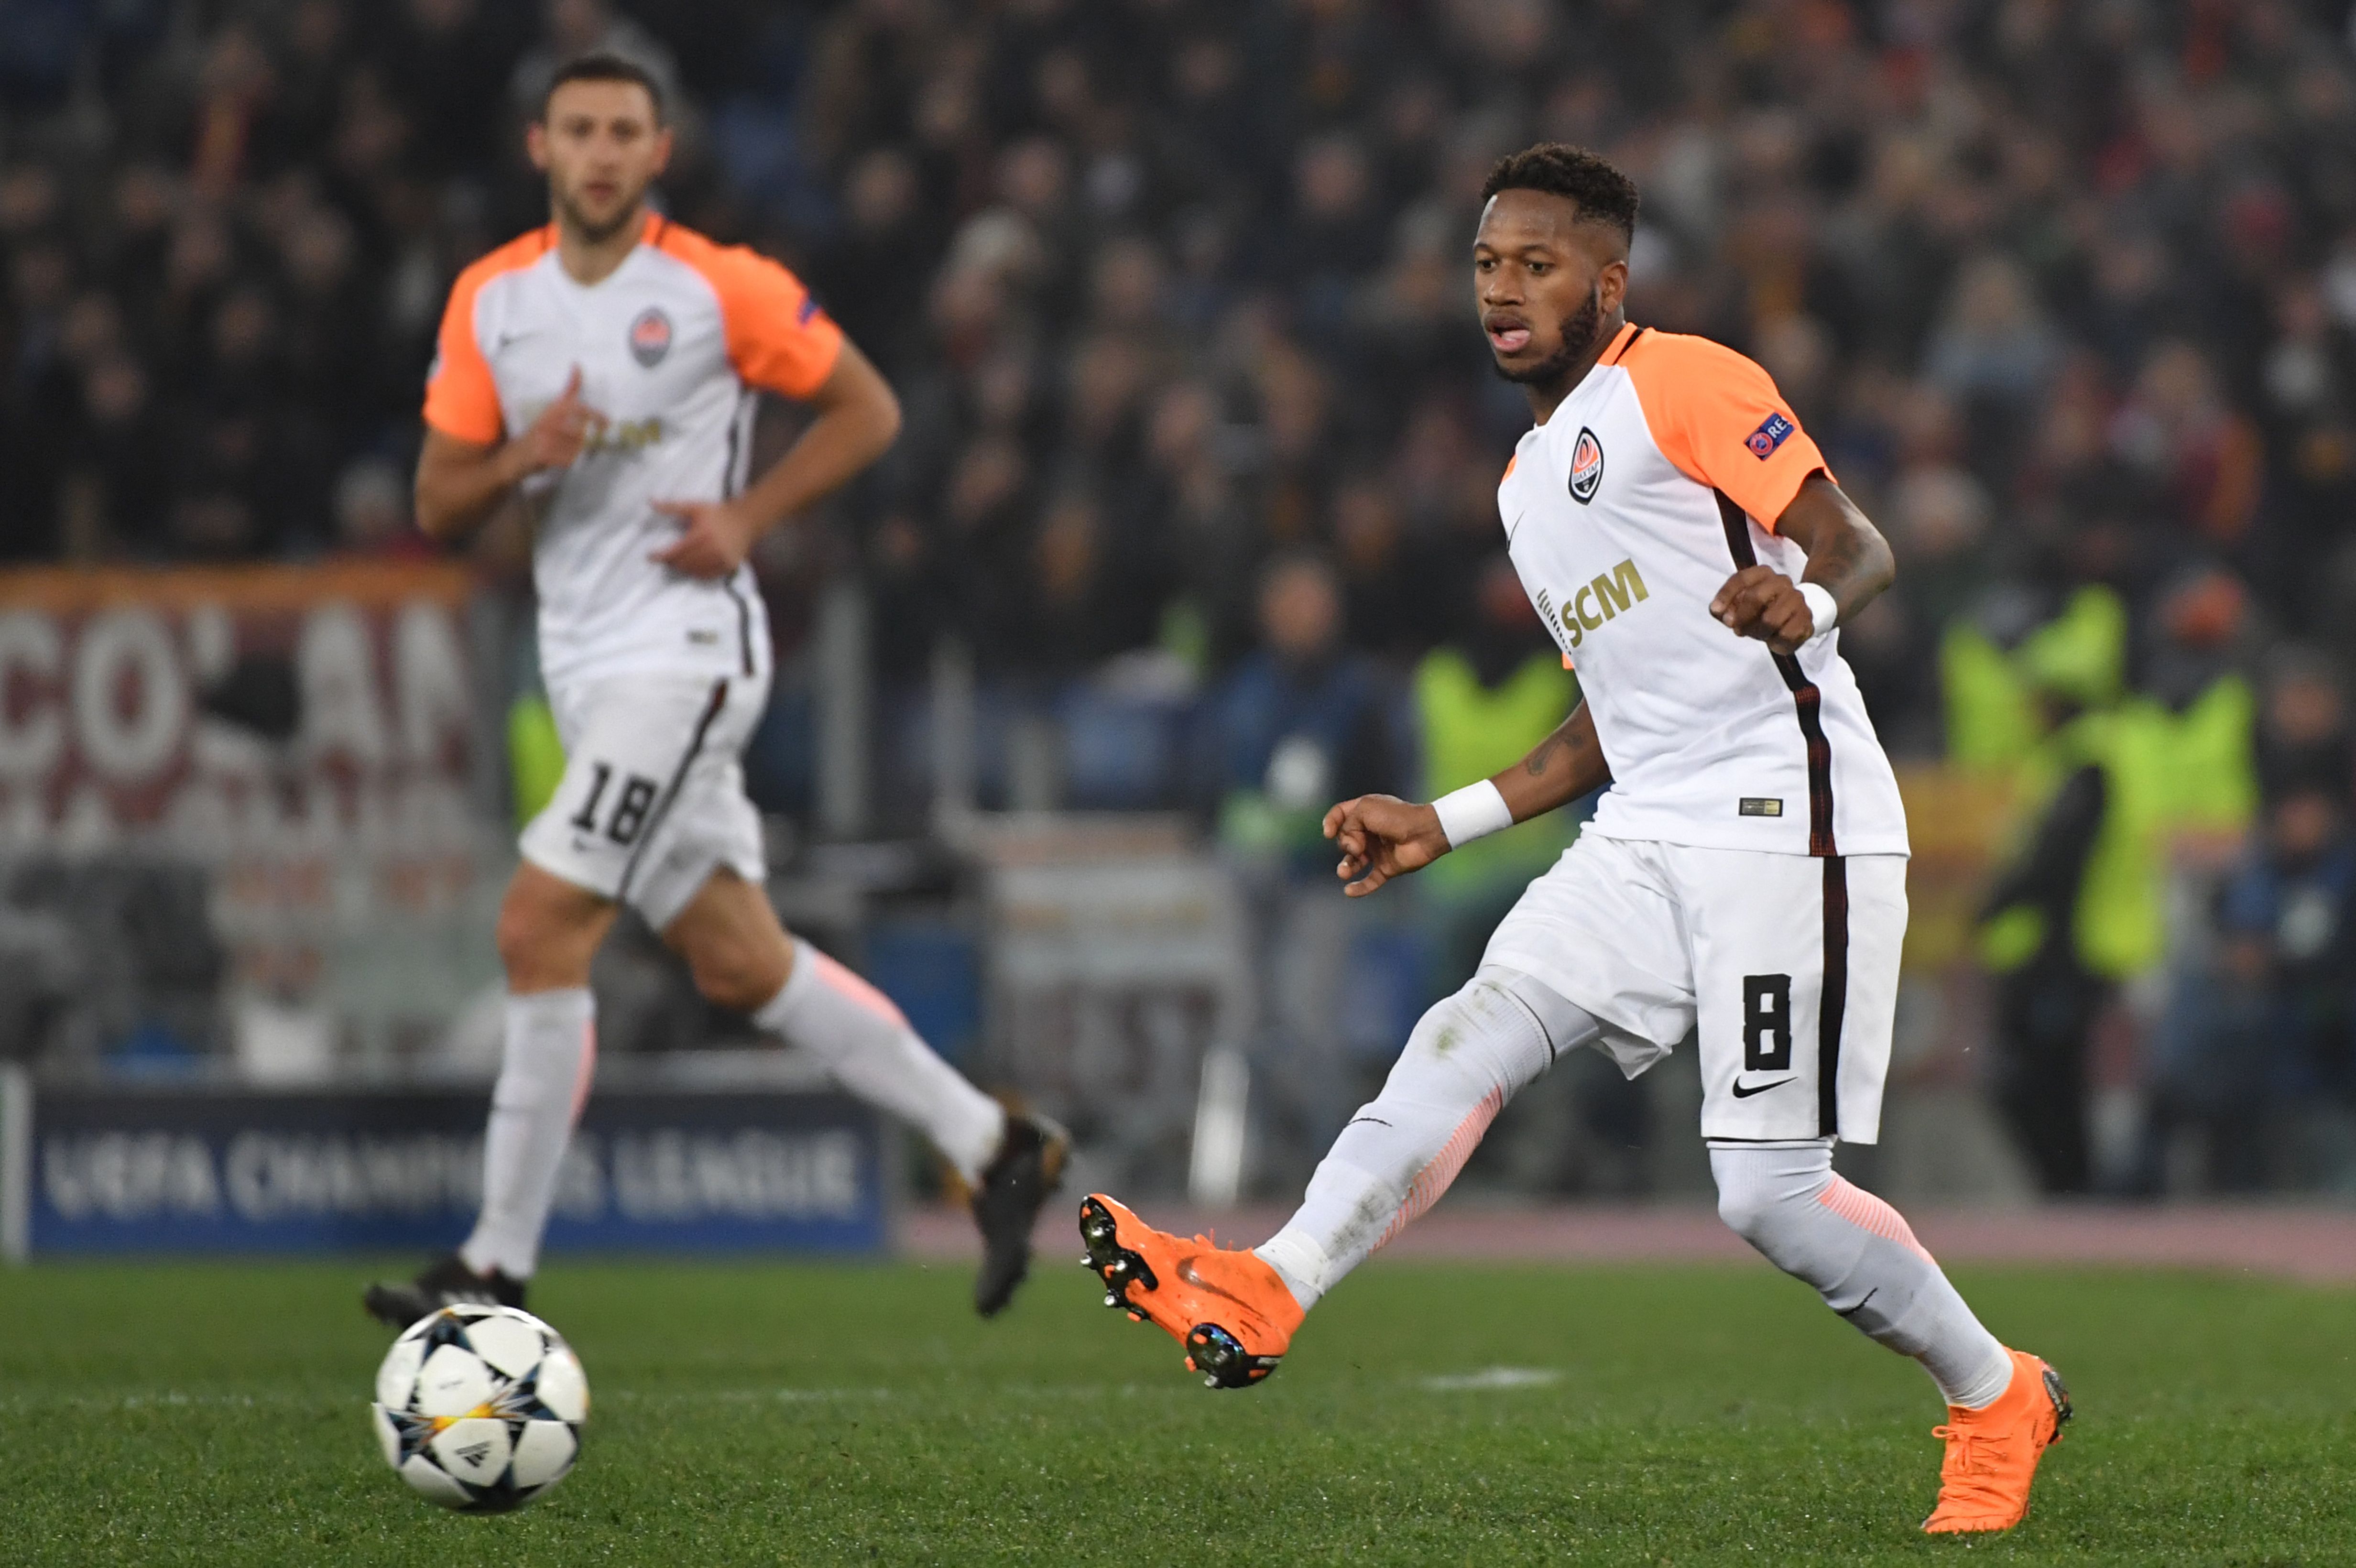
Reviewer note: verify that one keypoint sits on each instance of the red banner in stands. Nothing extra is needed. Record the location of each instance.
(219, 710)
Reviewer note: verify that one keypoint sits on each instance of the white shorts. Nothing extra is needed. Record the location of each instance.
(1787, 964)
(652, 801)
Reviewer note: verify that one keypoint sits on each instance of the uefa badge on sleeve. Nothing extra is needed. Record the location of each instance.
(1773, 433)
(1586, 466)
(651, 336)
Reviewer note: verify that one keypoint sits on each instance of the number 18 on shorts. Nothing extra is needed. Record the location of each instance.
(652, 801)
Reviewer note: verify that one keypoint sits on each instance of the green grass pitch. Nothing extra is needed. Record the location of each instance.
(206, 1413)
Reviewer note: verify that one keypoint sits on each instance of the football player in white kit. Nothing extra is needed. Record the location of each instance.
(603, 371)
(1743, 880)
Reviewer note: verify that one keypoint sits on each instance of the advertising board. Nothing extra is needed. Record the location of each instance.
(206, 1169)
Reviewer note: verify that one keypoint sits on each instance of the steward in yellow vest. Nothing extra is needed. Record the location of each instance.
(2116, 779)
(1481, 704)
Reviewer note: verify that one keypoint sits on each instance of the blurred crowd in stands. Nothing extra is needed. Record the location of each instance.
(1202, 440)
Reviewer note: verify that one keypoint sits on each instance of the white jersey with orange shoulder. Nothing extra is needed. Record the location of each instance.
(670, 346)
(1661, 475)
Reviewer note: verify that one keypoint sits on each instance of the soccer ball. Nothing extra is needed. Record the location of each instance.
(480, 1408)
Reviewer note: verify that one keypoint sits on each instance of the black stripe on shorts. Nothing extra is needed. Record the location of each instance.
(670, 791)
(743, 621)
(1831, 1005)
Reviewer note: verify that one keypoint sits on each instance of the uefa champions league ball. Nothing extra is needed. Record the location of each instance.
(480, 1408)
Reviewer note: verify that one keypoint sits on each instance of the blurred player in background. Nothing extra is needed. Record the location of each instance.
(601, 371)
(1745, 876)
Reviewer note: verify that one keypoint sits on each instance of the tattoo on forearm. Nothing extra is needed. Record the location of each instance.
(1574, 744)
(1586, 755)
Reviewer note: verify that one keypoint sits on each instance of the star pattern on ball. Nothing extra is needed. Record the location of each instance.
(480, 1408)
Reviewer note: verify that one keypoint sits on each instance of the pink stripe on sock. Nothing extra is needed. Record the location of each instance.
(844, 983)
(1434, 1179)
(1867, 1212)
(588, 1069)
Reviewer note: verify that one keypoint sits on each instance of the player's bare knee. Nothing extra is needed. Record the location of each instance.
(728, 982)
(523, 936)
(738, 973)
(547, 932)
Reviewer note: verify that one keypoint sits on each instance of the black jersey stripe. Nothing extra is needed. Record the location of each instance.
(1806, 700)
(728, 487)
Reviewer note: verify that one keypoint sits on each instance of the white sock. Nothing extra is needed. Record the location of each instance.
(1862, 1258)
(854, 1027)
(551, 1053)
(1467, 1057)
(1300, 1261)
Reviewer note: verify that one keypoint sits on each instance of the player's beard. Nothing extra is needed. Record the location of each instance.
(597, 233)
(1578, 338)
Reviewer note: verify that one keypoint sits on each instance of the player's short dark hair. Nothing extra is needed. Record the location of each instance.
(603, 64)
(1601, 193)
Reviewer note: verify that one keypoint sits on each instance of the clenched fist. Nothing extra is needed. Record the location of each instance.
(1760, 602)
(559, 435)
(1382, 836)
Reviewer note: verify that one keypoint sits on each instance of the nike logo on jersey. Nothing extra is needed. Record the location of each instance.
(1744, 1092)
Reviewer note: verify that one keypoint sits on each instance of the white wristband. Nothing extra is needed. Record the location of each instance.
(1474, 812)
(1820, 606)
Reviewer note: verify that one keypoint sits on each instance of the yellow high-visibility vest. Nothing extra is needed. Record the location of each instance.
(1469, 733)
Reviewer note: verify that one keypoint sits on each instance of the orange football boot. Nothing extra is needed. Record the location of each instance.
(1992, 1453)
(1229, 1309)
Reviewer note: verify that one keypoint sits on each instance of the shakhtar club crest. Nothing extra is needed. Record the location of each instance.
(1586, 466)
(651, 336)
